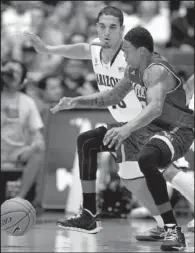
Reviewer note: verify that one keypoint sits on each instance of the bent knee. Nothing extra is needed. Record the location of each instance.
(145, 161)
(90, 136)
(82, 139)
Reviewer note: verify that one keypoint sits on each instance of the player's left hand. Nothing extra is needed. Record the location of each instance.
(115, 136)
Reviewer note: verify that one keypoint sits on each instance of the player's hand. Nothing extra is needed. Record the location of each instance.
(115, 136)
(38, 44)
(65, 103)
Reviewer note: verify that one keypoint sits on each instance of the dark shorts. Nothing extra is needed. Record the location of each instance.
(178, 140)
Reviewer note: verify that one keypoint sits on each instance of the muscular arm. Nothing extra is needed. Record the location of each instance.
(158, 82)
(74, 51)
(105, 98)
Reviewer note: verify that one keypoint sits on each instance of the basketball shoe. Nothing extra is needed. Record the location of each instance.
(154, 234)
(174, 239)
(84, 222)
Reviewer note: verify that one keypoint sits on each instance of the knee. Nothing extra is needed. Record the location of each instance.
(148, 159)
(81, 140)
(86, 139)
(143, 162)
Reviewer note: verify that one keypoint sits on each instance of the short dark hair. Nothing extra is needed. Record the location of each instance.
(24, 70)
(140, 37)
(113, 11)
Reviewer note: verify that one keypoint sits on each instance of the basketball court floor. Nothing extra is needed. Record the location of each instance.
(117, 236)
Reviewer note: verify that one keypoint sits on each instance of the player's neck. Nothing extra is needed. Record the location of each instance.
(145, 62)
(108, 53)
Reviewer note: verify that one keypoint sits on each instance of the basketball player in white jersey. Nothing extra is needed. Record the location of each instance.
(109, 65)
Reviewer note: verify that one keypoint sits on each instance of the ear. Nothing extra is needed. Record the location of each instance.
(122, 30)
(142, 50)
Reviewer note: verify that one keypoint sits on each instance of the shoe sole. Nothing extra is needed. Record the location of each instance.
(94, 231)
(147, 239)
(168, 248)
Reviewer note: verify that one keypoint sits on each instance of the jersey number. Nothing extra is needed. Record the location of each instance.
(121, 105)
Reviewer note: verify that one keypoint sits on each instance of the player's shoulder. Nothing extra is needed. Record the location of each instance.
(155, 72)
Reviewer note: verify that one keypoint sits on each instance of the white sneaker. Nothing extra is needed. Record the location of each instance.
(191, 226)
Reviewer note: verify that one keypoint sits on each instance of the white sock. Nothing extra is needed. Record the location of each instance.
(159, 221)
(184, 183)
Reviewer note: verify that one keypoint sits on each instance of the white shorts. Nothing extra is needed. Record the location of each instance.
(131, 170)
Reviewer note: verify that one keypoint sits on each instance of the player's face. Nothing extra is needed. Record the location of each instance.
(109, 30)
(12, 80)
(132, 54)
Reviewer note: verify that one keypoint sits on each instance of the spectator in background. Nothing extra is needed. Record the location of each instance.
(38, 19)
(61, 24)
(92, 33)
(22, 143)
(77, 38)
(129, 9)
(5, 47)
(28, 56)
(57, 29)
(50, 91)
(91, 9)
(153, 16)
(182, 35)
(90, 85)
(74, 73)
(149, 14)
(15, 20)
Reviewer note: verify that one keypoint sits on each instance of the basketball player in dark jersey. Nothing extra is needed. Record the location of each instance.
(160, 134)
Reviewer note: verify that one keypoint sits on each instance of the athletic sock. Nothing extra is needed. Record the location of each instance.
(89, 202)
(168, 217)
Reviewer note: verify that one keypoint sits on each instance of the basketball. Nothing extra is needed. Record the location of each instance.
(17, 216)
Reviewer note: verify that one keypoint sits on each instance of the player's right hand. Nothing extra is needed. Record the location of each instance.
(65, 103)
(38, 44)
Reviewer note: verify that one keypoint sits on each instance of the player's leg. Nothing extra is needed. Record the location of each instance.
(88, 144)
(139, 188)
(154, 155)
(184, 183)
(158, 153)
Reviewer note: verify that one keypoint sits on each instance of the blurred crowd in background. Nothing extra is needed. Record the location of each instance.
(51, 77)
(64, 22)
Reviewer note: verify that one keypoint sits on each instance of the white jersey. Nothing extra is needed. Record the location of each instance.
(107, 76)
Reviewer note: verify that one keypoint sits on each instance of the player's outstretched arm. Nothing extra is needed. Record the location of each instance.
(97, 100)
(74, 51)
